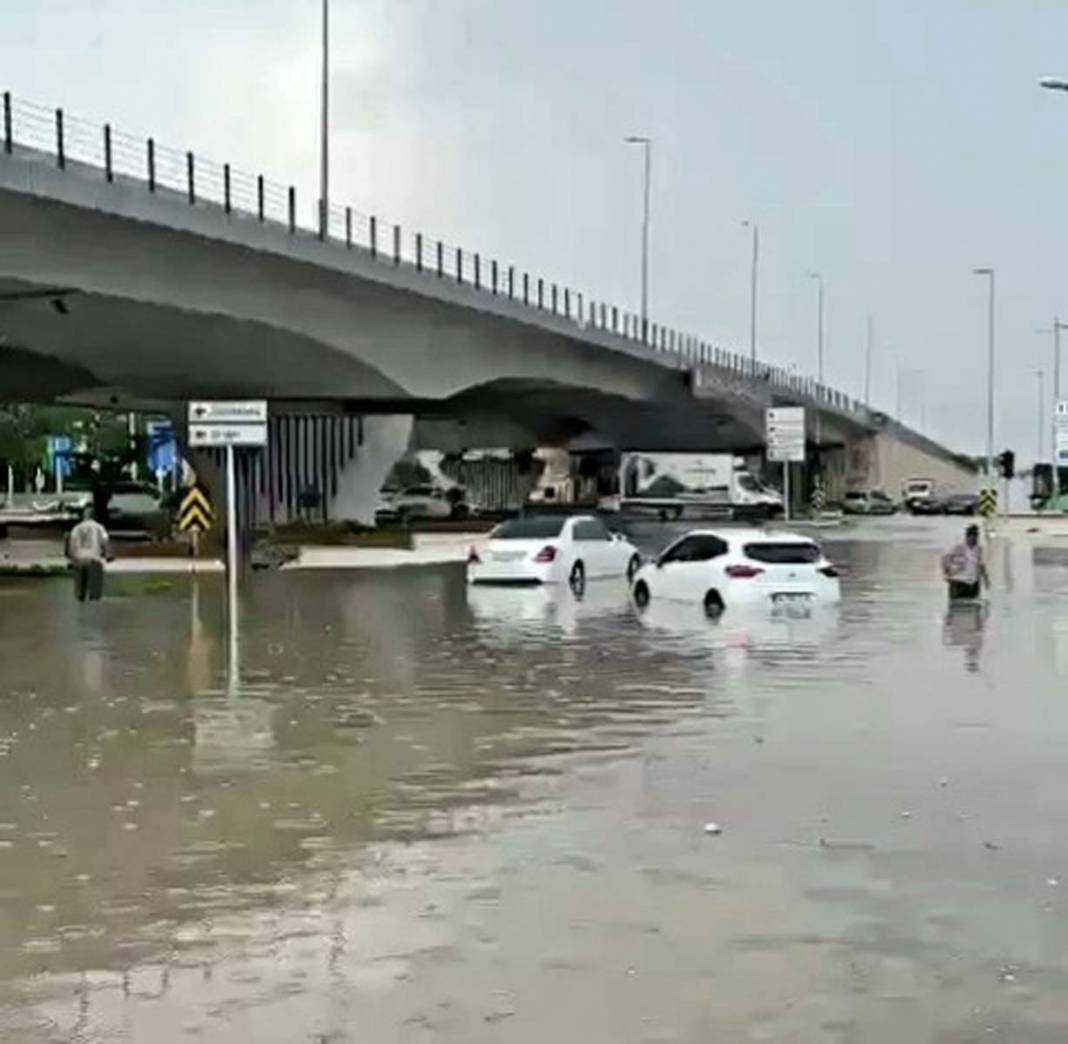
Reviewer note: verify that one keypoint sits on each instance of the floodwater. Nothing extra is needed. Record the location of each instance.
(434, 814)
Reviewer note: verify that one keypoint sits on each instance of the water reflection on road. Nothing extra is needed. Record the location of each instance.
(450, 814)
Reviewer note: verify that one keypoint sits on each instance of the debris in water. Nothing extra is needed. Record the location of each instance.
(992, 845)
(713, 828)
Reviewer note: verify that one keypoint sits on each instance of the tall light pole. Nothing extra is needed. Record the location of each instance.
(1055, 392)
(647, 145)
(753, 291)
(867, 363)
(819, 326)
(989, 273)
(1041, 405)
(324, 130)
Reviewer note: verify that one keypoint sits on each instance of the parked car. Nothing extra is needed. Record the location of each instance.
(421, 502)
(926, 506)
(868, 502)
(919, 493)
(724, 569)
(961, 504)
(546, 549)
(138, 507)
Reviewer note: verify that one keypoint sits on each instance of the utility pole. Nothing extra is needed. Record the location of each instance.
(1041, 410)
(867, 365)
(753, 293)
(647, 145)
(989, 273)
(324, 135)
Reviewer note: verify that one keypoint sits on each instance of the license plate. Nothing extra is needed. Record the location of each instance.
(507, 556)
(791, 598)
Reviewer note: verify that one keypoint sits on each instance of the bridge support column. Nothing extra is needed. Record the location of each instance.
(385, 441)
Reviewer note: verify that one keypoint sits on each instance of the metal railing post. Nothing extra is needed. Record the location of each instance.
(396, 244)
(8, 142)
(567, 302)
(511, 282)
(493, 276)
(541, 292)
(190, 177)
(151, 165)
(526, 288)
(61, 159)
(459, 265)
(419, 251)
(374, 236)
(348, 227)
(292, 209)
(478, 272)
(441, 259)
(259, 196)
(226, 188)
(552, 298)
(107, 153)
(615, 319)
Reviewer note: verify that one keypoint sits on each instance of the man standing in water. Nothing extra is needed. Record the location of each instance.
(87, 550)
(964, 568)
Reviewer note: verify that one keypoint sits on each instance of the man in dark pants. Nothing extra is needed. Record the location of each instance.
(87, 551)
(964, 568)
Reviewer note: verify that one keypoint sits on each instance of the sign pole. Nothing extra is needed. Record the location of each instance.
(786, 491)
(231, 562)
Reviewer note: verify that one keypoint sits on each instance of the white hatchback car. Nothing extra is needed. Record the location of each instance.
(547, 549)
(721, 569)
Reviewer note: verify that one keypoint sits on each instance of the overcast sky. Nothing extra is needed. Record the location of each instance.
(892, 145)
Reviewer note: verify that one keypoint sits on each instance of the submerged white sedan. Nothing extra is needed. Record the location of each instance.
(548, 549)
(721, 569)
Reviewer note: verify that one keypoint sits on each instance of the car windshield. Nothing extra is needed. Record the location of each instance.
(783, 552)
(536, 528)
(878, 495)
(854, 496)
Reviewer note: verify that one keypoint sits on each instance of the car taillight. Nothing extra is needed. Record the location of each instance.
(743, 572)
(829, 570)
(472, 557)
(546, 554)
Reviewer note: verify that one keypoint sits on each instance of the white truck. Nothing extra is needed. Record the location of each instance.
(671, 485)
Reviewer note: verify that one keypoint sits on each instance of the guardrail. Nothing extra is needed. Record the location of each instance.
(203, 183)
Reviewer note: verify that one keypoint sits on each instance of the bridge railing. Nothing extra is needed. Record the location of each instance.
(101, 150)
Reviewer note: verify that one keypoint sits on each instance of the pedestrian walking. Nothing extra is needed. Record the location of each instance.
(87, 551)
(964, 568)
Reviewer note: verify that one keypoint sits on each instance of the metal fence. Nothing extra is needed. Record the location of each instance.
(112, 154)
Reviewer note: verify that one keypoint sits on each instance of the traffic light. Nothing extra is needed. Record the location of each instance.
(1007, 464)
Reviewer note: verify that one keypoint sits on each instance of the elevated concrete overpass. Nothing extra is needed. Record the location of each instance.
(135, 277)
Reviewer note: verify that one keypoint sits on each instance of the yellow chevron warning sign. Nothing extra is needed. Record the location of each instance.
(195, 513)
(988, 502)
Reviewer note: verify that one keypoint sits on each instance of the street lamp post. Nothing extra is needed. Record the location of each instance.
(1041, 407)
(753, 292)
(819, 326)
(867, 364)
(324, 129)
(647, 146)
(989, 273)
(1055, 391)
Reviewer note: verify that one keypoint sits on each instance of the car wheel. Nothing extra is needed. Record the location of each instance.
(713, 605)
(577, 580)
(633, 566)
(641, 594)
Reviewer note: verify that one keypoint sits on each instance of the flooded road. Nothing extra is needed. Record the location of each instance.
(430, 813)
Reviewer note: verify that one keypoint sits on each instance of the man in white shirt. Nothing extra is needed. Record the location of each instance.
(87, 551)
(964, 568)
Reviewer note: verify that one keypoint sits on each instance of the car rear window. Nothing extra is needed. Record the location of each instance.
(536, 528)
(783, 553)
